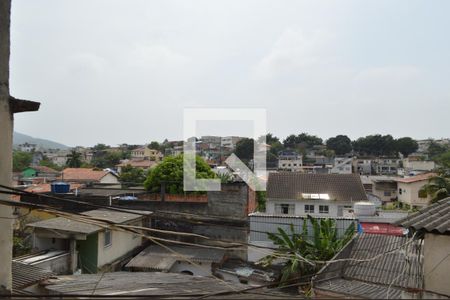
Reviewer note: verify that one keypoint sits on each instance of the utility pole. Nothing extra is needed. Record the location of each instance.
(8, 106)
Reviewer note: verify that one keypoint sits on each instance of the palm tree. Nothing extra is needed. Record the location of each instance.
(438, 188)
(74, 159)
(301, 251)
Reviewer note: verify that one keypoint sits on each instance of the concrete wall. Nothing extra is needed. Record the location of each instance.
(109, 178)
(122, 243)
(231, 201)
(410, 193)
(419, 165)
(58, 265)
(43, 243)
(6, 129)
(437, 263)
(379, 190)
(299, 210)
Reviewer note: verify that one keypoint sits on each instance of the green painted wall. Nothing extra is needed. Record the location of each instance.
(88, 254)
(29, 172)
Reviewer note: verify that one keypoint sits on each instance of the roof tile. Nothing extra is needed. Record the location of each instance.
(291, 185)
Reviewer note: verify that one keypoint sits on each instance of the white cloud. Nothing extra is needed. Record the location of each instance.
(293, 51)
(156, 56)
(84, 65)
(401, 84)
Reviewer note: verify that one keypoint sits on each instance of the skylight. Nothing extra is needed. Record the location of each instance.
(315, 196)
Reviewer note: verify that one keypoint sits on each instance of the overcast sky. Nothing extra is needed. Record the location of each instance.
(123, 71)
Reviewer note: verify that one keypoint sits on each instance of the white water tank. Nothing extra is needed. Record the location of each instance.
(364, 209)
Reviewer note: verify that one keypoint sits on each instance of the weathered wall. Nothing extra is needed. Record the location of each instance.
(6, 128)
(437, 263)
(231, 201)
(121, 244)
(410, 193)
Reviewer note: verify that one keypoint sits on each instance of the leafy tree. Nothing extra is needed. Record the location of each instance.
(435, 149)
(261, 200)
(340, 144)
(21, 160)
(107, 159)
(225, 177)
(48, 163)
(244, 149)
(303, 140)
(309, 140)
(100, 147)
(276, 147)
(154, 145)
(270, 139)
(301, 250)
(170, 172)
(443, 160)
(406, 146)
(131, 176)
(377, 145)
(290, 141)
(74, 159)
(438, 188)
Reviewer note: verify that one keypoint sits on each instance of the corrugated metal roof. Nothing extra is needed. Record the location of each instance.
(433, 218)
(371, 279)
(159, 258)
(64, 224)
(403, 266)
(24, 275)
(359, 289)
(339, 187)
(144, 262)
(154, 284)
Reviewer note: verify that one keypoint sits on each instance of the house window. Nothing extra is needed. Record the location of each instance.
(108, 238)
(284, 209)
(387, 193)
(324, 209)
(309, 209)
(400, 191)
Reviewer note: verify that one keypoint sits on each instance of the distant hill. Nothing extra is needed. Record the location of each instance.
(19, 138)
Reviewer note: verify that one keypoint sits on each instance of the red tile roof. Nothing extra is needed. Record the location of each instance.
(83, 174)
(44, 169)
(420, 177)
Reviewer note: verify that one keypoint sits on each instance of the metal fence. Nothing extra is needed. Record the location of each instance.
(261, 224)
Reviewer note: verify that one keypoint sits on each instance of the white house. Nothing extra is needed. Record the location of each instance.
(290, 161)
(411, 165)
(86, 246)
(342, 165)
(409, 190)
(230, 141)
(320, 195)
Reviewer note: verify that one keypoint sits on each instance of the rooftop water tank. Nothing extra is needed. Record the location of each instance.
(60, 187)
(364, 209)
